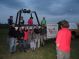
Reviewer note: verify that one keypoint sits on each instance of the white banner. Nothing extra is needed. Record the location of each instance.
(52, 30)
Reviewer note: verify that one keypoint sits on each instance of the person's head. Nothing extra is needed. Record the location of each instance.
(64, 24)
(31, 17)
(43, 18)
(26, 29)
(11, 17)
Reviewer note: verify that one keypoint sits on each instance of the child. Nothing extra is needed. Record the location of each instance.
(32, 42)
(63, 41)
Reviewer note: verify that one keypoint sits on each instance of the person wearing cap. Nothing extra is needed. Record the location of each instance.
(63, 41)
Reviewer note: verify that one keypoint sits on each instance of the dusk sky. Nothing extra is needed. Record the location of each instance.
(53, 10)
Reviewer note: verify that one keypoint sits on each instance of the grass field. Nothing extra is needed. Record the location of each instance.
(45, 52)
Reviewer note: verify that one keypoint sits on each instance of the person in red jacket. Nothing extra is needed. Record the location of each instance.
(26, 33)
(63, 41)
(30, 21)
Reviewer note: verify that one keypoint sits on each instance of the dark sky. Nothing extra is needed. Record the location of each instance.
(53, 10)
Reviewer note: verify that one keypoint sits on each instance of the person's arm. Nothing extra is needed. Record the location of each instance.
(58, 39)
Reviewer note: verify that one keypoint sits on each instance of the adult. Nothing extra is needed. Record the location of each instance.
(30, 21)
(21, 21)
(26, 33)
(63, 41)
(43, 35)
(21, 39)
(37, 36)
(10, 20)
(12, 38)
(43, 22)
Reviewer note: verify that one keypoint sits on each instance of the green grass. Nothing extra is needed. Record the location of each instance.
(75, 49)
(3, 39)
(45, 52)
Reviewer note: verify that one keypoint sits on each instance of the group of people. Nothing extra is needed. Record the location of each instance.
(24, 37)
(63, 38)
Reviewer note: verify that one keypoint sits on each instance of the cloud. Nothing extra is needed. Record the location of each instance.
(51, 9)
(12, 3)
(72, 7)
(57, 7)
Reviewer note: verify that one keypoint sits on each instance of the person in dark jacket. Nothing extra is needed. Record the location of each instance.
(10, 20)
(12, 38)
(37, 36)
